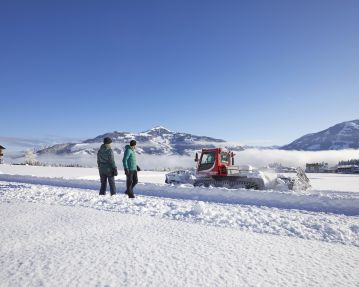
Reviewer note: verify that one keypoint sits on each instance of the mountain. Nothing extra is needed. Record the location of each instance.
(341, 136)
(156, 141)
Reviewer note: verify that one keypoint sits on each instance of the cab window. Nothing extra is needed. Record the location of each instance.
(208, 158)
(225, 157)
(207, 161)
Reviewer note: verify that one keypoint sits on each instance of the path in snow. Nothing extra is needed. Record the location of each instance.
(51, 245)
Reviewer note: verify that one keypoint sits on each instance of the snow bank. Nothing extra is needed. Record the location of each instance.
(319, 201)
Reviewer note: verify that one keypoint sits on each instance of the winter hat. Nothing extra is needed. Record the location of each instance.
(133, 143)
(107, 140)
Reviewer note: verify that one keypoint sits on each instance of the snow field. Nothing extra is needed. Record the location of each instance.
(75, 173)
(54, 245)
(260, 219)
(57, 231)
(319, 181)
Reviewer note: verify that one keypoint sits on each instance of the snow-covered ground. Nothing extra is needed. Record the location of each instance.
(57, 231)
(75, 173)
(319, 181)
(54, 245)
(334, 181)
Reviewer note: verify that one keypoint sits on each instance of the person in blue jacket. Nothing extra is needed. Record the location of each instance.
(106, 166)
(130, 166)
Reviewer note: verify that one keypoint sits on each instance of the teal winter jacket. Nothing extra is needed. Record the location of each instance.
(105, 160)
(129, 159)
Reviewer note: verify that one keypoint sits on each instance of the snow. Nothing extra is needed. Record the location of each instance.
(85, 247)
(348, 128)
(160, 128)
(74, 173)
(57, 231)
(334, 181)
(319, 181)
(320, 201)
(260, 219)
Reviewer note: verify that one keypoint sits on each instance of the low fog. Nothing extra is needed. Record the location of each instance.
(260, 158)
(254, 157)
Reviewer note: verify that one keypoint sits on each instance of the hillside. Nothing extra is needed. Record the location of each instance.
(341, 136)
(156, 141)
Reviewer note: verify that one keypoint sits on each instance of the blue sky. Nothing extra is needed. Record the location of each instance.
(256, 72)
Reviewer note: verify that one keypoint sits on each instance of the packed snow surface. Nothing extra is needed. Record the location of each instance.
(57, 231)
(54, 245)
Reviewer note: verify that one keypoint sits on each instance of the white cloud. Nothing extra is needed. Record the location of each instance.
(260, 158)
(254, 157)
(18, 145)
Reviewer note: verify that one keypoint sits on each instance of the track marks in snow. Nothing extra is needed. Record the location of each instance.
(294, 223)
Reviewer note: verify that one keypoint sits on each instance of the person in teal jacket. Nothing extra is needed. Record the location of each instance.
(106, 166)
(130, 166)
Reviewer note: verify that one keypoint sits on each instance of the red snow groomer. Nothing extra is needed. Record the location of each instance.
(216, 167)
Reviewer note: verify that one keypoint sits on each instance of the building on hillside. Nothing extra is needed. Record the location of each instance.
(332, 169)
(1, 153)
(317, 167)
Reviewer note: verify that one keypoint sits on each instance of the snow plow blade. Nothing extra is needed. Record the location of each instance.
(299, 182)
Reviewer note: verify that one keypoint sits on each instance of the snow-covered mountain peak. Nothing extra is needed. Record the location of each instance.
(349, 127)
(158, 131)
(158, 140)
(340, 136)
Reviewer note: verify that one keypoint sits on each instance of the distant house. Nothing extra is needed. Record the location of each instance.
(317, 167)
(1, 153)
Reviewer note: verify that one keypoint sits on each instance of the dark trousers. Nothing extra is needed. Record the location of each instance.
(131, 181)
(111, 181)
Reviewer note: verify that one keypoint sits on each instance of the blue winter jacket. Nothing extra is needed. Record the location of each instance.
(129, 159)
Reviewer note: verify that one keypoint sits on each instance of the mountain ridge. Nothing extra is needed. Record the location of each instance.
(344, 135)
(158, 140)
(162, 141)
